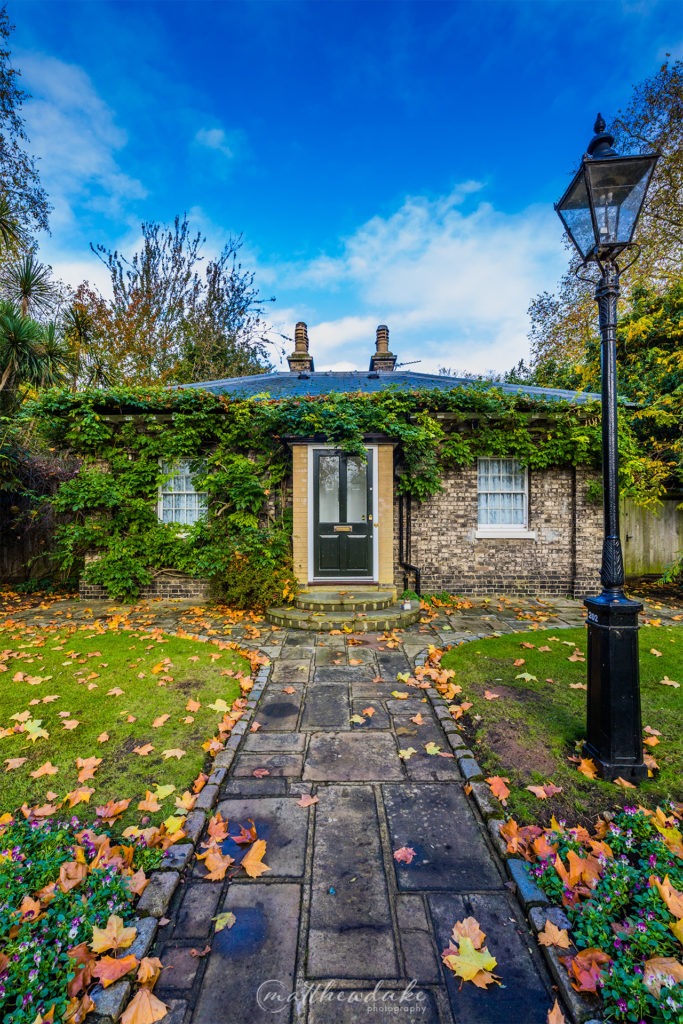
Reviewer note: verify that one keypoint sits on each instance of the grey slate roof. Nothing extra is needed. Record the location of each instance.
(286, 385)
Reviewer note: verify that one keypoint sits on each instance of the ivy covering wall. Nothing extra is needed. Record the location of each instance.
(240, 452)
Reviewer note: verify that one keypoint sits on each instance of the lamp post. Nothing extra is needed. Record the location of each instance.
(600, 210)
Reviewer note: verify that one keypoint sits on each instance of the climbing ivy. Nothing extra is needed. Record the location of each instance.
(240, 453)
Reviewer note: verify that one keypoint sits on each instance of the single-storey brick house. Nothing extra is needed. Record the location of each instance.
(495, 527)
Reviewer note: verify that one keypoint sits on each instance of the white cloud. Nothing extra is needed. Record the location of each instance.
(215, 138)
(453, 280)
(75, 136)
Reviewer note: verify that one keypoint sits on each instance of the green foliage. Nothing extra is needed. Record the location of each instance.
(624, 916)
(242, 461)
(39, 967)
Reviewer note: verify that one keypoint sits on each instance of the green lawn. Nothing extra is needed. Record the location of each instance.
(115, 684)
(528, 732)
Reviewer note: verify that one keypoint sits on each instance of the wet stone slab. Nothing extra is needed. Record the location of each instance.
(437, 822)
(290, 671)
(344, 674)
(350, 931)
(275, 742)
(255, 957)
(252, 787)
(524, 997)
(352, 757)
(280, 822)
(286, 765)
(379, 720)
(279, 711)
(326, 707)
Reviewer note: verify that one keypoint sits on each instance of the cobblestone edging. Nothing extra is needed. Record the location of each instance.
(111, 1002)
(532, 900)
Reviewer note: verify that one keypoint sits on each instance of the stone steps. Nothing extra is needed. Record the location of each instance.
(377, 621)
(344, 600)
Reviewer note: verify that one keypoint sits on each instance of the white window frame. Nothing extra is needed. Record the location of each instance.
(505, 530)
(165, 466)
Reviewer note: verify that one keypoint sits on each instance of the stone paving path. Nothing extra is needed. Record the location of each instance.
(336, 916)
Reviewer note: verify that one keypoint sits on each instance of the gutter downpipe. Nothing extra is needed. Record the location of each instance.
(404, 543)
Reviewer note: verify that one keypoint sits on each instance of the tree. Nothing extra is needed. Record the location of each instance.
(167, 322)
(20, 190)
(30, 284)
(564, 324)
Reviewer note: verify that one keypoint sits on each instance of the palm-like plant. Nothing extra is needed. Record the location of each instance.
(11, 234)
(29, 283)
(57, 363)
(21, 349)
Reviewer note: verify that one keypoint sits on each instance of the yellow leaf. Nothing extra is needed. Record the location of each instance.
(252, 862)
(114, 936)
(467, 963)
(175, 752)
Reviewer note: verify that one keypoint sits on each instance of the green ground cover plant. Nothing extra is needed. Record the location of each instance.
(143, 705)
(536, 721)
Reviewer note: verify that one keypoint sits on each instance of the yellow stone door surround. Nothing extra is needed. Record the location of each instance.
(302, 511)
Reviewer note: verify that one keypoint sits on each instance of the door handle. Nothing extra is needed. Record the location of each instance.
(369, 519)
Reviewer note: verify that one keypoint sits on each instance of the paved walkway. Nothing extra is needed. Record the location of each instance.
(337, 919)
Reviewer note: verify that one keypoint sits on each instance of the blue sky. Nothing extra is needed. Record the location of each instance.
(386, 162)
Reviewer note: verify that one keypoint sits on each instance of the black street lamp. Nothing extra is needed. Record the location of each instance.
(600, 210)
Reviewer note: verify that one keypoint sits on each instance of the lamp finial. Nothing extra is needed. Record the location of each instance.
(600, 145)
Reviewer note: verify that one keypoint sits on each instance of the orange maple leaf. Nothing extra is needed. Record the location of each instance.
(498, 787)
(144, 1008)
(109, 969)
(252, 862)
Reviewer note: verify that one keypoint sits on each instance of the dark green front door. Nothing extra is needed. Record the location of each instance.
(342, 509)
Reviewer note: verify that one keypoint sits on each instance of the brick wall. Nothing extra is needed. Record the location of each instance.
(562, 559)
(165, 586)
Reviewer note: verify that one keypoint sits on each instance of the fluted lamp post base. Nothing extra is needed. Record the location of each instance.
(614, 741)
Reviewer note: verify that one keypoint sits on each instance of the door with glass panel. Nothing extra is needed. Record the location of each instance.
(342, 509)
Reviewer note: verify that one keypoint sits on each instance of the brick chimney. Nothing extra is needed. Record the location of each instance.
(300, 360)
(383, 361)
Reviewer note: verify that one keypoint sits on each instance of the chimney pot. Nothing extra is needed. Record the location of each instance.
(383, 361)
(300, 360)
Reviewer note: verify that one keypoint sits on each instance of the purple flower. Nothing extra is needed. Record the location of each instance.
(623, 1005)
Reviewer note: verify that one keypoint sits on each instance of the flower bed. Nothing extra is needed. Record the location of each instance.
(622, 890)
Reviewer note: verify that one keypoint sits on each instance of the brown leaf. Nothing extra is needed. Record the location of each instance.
(71, 874)
(260, 773)
(161, 720)
(196, 953)
(518, 662)
(45, 769)
(109, 969)
(70, 724)
(624, 783)
(469, 928)
(216, 863)
(498, 787)
(103, 737)
(79, 796)
(555, 1016)
(150, 803)
(192, 705)
(14, 762)
(174, 752)
(490, 695)
(88, 766)
(307, 801)
(554, 936)
(404, 855)
(149, 970)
